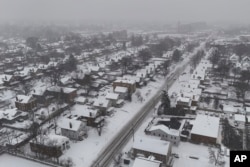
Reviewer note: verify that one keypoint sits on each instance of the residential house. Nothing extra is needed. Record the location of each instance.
(122, 91)
(234, 59)
(25, 103)
(205, 129)
(183, 103)
(50, 145)
(113, 97)
(5, 80)
(130, 84)
(102, 104)
(86, 113)
(165, 133)
(245, 59)
(146, 162)
(62, 93)
(73, 129)
(81, 100)
(10, 116)
(159, 149)
(42, 96)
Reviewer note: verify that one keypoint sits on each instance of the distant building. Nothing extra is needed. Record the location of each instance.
(120, 35)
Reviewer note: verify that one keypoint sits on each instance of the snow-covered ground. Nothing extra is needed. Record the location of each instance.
(7, 160)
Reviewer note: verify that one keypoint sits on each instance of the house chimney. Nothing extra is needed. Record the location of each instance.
(90, 114)
(16, 98)
(70, 125)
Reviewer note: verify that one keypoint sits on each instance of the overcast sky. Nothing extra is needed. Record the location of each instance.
(134, 10)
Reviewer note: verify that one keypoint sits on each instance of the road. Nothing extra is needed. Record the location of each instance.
(120, 140)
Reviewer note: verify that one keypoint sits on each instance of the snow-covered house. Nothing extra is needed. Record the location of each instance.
(239, 118)
(40, 93)
(122, 91)
(234, 59)
(25, 103)
(245, 59)
(165, 133)
(205, 129)
(183, 103)
(146, 162)
(160, 149)
(12, 115)
(86, 113)
(130, 84)
(113, 97)
(247, 110)
(102, 104)
(66, 81)
(66, 94)
(73, 129)
(50, 145)
(6, 79)
(81, 100)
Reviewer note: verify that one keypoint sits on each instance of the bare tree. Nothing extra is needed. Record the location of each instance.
(215, 157)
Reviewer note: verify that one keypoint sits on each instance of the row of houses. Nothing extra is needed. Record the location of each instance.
(189, 94)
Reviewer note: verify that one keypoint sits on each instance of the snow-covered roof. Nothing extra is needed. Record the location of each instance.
(112, 96)
(248, 109)
(39, 90)
(229, 108)
(131, 77)
(80, 99)
(142, 162)
(239, 117)
(5, 78)
(58, 89)
(205, 125)
(66, 80)
(184, 99)
(101, 102)
(23, 98)
(69, 124)
(10, 114)
(151, 145)
(84, 110)
(165, 129)
(120, 89)
(125, 81)
(52, 140)
(234, 57)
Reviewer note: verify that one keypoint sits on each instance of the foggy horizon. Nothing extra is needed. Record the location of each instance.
(164, 11)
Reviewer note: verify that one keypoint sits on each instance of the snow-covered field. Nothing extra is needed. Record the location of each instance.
(7, 160)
